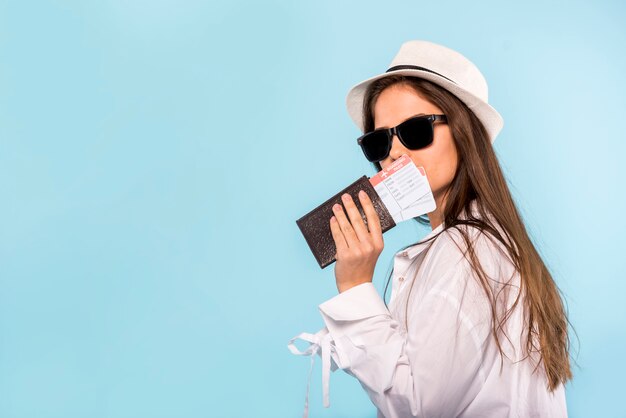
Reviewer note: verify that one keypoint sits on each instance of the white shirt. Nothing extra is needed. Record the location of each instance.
(446, 363)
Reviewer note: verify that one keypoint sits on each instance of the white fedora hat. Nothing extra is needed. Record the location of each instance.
(442, 66)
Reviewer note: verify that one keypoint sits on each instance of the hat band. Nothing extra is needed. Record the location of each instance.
(415, 67)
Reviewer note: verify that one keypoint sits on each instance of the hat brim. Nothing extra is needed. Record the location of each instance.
(489, 117)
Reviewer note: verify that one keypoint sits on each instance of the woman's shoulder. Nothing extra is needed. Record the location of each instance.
(488, 244)
(490, 241)
(462, 243)
(459, 250)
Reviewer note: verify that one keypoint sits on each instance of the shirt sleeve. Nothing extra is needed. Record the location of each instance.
(431, 369)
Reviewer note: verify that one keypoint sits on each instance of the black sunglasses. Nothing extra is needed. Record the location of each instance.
(414, 133)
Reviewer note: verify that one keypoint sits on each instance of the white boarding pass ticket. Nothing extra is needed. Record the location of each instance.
(404, 189)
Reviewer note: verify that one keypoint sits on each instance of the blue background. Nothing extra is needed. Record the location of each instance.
(154, 156)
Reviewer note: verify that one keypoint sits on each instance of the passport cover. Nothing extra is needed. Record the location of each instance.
(315, 225)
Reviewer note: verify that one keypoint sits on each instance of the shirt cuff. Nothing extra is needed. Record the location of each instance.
(358, 302)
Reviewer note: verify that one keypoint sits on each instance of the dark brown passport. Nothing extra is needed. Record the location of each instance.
(315, 225)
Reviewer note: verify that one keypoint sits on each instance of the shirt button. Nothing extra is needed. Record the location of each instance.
(403, 253)
(401, 278)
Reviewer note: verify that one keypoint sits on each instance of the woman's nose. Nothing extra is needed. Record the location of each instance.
(397, 149)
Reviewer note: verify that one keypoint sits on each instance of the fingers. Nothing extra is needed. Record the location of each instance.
(373, 221)
(340, 241)
(345, 226)
(352, 232)
(356, 219)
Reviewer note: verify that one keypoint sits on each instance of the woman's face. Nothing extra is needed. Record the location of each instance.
(396, 104)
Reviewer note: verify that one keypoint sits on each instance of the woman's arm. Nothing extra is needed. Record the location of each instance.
(432, 370)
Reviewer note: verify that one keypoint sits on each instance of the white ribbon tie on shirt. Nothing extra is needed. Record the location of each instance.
(318, 342)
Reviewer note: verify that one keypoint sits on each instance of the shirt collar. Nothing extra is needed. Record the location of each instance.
(416, 249)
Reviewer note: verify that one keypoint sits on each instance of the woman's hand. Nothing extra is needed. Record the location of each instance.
(357, 247)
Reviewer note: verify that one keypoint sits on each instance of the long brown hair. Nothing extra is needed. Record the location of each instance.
(479, 177)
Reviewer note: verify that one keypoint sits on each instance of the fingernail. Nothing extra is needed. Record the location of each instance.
(362, 193)
(345, 197)
(336, 206)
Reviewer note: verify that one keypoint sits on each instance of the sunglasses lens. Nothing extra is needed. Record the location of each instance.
(416, 132)
(375, 145)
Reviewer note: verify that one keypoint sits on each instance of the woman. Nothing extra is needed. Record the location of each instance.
(475, 326)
